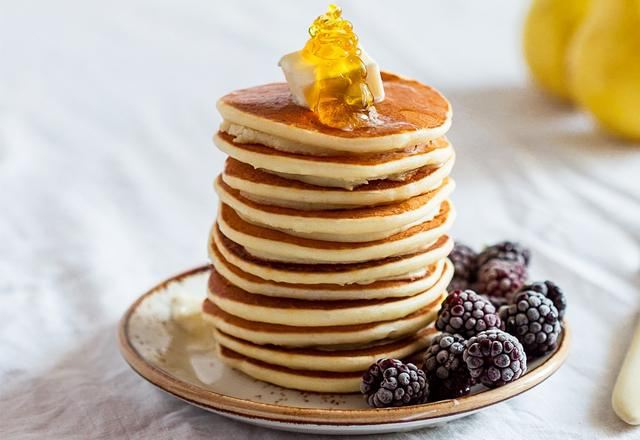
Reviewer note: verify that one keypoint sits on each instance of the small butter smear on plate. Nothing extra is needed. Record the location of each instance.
(186, 312)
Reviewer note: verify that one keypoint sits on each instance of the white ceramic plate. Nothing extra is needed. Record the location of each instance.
(176, 355)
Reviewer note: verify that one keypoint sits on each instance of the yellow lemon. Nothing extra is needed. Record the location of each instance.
(548, 30)
(604, 66)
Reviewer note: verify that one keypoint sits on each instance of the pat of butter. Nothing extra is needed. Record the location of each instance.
(300, 75)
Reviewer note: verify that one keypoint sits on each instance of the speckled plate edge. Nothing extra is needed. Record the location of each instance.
(240, 408)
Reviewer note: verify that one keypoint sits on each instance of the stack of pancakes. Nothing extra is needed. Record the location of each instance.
(330, 247)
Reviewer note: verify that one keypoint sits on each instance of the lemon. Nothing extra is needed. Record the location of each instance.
(604, 66)
(548, 30)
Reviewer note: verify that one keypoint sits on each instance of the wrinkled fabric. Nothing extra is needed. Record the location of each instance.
(106, 166)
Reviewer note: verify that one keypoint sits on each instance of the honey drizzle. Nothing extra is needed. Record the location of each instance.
(340, 95)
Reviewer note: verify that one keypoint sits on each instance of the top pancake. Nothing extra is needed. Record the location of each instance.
(411, 114)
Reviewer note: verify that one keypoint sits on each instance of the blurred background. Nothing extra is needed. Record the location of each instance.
(107, 110)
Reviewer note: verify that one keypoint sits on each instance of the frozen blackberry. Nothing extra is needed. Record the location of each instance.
(495, 358)
(499, 280)
(506, 251)
(551, 291)
(447, 373)
(466, 313)
(390, 382)
(464, 262)
(533, 319)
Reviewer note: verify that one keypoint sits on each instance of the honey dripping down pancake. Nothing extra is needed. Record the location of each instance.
(340, 95)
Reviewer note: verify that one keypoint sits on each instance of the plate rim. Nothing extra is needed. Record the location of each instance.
(213, 400)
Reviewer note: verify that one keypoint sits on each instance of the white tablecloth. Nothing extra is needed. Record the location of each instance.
(106, 166)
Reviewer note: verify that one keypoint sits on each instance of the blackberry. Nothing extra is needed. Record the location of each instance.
(467, 314)
(499, 280)
(533, 319)
(464, 263)
(447, 373)
(390, 382)
(495, 358)
(506, 251)
(551, 291)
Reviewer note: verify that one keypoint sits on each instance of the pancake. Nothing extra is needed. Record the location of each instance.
(307, 313)
(269, 244)
(353, 360)
(270, 189)
(407, 286)
(337, 171)
(348, 273)
(290, 336)
(314, 381)
(352, 225)
(411, 114)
